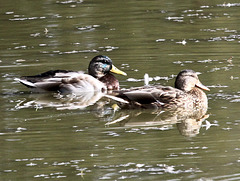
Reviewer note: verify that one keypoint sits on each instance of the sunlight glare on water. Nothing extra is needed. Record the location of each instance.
(50, 136)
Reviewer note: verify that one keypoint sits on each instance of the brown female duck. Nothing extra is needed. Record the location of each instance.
(66, 81)
(187, 94)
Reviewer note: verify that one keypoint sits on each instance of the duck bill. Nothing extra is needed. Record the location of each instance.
(201, 86)
(117, 71)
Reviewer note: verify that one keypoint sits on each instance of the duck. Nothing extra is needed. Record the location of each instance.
(187, 94)
(99, 78)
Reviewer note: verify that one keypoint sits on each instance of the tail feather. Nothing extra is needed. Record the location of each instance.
(26, 83)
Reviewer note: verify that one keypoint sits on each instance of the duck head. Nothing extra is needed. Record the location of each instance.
(102, 65)
(187, 80)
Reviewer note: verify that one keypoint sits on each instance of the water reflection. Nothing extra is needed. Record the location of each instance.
(154, 37)
(188, 123)
(59, 101)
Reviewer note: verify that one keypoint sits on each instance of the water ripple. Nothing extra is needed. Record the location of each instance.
(26, 18)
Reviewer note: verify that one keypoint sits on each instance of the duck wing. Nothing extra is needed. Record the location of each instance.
(160, 95)
(81, 83)
(47, 81)
(140, 96)
(47, 75)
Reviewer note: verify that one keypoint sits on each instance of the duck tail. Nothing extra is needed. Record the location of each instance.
(26, 83)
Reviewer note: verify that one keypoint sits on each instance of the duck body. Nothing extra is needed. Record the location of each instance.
(187, 94)
(67, 81)
(62, 81)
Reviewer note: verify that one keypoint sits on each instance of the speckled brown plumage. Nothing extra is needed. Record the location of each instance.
(187, 94)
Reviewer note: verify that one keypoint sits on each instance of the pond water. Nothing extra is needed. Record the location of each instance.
(44, 136)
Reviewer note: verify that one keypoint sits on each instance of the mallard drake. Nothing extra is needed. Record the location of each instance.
(187, 94)
(98, 78)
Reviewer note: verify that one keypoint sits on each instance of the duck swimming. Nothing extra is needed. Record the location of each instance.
(98, 78)
(187, 94)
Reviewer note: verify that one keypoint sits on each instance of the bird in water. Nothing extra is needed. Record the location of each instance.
(99, 78)
(188, 94)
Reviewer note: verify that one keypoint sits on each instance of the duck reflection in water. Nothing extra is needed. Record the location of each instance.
(185, 103)
(61, 101)
(187, 123)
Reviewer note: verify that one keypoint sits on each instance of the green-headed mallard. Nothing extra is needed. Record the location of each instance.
(98, 78)
(187, 94)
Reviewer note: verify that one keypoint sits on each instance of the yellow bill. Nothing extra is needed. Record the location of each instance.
(117, 71)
